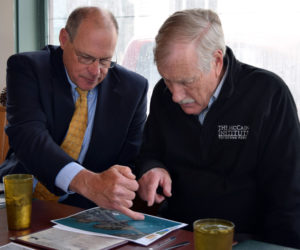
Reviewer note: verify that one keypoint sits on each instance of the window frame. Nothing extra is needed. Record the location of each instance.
(31, 25)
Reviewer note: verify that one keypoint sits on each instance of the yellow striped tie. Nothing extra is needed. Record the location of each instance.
(72, 142)
(74, 138)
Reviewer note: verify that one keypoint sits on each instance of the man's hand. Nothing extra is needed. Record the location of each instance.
(111, 189)
(150, 181)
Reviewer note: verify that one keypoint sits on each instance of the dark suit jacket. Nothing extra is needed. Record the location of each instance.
(40, 108)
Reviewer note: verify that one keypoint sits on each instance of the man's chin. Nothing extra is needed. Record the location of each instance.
(88, 85)
(190, 110)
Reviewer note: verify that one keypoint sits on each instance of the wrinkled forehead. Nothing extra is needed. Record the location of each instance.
(93, 23)
(92, 36)
(178, 53)
(181, 61)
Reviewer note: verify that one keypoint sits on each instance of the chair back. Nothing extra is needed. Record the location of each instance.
(3, 137)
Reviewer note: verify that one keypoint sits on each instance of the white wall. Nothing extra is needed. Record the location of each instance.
(7, 42)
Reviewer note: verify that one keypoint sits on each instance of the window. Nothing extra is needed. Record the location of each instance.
(263, 33)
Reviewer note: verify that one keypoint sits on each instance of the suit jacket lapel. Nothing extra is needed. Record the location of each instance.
(63, 104)
(107, 107)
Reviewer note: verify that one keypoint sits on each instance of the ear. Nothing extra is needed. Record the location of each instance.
(218, 56)
(63, 38)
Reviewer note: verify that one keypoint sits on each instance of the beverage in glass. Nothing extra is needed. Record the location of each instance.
(212, 234)
(18, 199)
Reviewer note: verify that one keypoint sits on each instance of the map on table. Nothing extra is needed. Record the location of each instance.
(114, 224)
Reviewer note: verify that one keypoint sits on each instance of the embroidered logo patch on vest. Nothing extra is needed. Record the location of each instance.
(233, 132)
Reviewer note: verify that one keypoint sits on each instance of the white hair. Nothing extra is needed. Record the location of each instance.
(199, 26)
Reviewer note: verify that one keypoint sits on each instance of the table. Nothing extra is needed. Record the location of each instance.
(45, 211)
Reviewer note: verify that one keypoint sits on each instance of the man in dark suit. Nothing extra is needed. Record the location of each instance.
(40, 105)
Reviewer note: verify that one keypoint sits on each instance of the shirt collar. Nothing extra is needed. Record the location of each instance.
(218, 89)
(74, 86)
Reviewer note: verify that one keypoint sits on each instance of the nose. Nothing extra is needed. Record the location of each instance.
(178, 92)
(94, 68)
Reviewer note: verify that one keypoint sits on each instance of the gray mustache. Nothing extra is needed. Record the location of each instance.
(186, 101)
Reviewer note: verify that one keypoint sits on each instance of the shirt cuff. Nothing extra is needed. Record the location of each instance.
(66, 175)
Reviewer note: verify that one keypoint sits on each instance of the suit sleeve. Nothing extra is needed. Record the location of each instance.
(133, 140)
(152, 148)
(28, 128)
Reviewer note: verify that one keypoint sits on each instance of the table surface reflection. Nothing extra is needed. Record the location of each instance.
(45, 211)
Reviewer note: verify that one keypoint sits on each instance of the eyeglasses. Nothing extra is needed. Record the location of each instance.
(87, 60)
